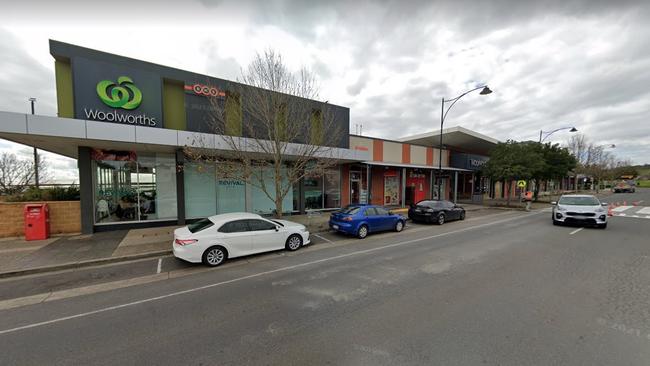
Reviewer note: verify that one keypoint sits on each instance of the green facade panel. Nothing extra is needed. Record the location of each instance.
(64, 94)
(174, 105)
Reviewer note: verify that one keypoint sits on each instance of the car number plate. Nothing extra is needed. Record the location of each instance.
(335, 227)
(418, 210)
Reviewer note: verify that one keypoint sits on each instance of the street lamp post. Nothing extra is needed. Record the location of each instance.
(549, 133)
(443, 115)
(32, 101)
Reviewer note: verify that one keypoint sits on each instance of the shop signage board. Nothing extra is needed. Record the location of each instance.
(113, 93)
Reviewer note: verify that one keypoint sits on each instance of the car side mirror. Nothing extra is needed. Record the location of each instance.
(277, 228)
(554, 203)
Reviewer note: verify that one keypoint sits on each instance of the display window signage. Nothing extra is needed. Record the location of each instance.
(115, 93)
(114, 155)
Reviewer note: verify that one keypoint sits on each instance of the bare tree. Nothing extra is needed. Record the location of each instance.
(18, 173)
(271, 129)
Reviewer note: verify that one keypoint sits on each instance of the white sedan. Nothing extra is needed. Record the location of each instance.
(217, 238)
(579, 209)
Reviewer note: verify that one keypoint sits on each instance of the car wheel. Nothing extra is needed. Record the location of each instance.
(602, 226)
(294, 242)
(462, 215)
(399, 226)
(441, 219)
(363, 232)
(214, 256)
(556, 223)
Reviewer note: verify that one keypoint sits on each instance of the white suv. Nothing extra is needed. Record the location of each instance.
(580, 209)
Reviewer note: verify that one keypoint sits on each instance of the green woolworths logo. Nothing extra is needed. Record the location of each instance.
(124, 94)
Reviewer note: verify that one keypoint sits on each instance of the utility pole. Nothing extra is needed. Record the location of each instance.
(32, 101)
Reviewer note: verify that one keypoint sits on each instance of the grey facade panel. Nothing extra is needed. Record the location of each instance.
(149, 77)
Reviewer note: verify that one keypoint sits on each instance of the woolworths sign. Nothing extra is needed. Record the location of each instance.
(116, 93)
(121, 95)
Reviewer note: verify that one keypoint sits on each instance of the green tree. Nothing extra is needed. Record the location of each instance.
(512, 160)
(557, 162)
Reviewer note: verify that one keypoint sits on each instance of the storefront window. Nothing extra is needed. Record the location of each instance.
(313, 193)
(261, 203)
(128, 189)
(231, 196)
(200, 190)
(391, 188)
(332, 188)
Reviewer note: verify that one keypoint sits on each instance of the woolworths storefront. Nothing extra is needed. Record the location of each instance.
(126, 122)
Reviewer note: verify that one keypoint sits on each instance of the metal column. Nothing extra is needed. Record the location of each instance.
(455, 186)
(403, 200)
(180, 187)
(369, 184)
(86, 186)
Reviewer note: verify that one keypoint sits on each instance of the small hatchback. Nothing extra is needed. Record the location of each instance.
(360, 220)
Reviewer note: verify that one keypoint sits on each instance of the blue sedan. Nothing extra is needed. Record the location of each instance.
(359, 220)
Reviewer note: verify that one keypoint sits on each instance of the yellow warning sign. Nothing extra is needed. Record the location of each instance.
(521, 183)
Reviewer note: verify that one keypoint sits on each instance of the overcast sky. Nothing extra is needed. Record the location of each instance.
(550, 63)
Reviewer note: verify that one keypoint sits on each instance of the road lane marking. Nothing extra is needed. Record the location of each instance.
(575, 231)
(259, 274)
(622, 208)
(320, 237)
(644, 211)
(159, 265)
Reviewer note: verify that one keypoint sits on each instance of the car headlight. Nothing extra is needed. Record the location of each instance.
(560, 208)
(429, 210)
(600, 209)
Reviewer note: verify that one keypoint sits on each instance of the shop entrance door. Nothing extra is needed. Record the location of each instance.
(355, 188)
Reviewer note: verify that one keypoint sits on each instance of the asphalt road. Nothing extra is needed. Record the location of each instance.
(508, 289)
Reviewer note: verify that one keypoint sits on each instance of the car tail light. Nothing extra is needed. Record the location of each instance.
(347, 218)
(185, 241)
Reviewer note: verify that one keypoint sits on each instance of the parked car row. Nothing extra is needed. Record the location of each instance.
(215, 239)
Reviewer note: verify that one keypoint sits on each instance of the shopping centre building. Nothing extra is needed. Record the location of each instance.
(128, 123)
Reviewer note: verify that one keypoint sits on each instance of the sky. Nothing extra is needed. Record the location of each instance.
(550, 64)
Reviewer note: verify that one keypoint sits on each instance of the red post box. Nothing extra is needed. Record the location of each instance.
(37, 221)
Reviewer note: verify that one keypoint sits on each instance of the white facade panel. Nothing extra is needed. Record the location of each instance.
(55, 126)
(13, 122)
(110, 131)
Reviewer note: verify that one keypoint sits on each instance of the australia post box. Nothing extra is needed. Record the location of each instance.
(37, 221)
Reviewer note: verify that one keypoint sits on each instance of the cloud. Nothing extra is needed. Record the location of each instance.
(551, 64)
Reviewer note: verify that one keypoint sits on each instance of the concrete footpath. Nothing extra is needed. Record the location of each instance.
(19, 257)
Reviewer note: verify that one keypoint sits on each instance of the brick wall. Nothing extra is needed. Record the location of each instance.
(65, 218)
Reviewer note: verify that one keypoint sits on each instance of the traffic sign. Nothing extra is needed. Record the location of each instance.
(521, 183)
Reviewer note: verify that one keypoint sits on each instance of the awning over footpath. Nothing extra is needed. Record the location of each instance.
(414, 166)
(65, 135)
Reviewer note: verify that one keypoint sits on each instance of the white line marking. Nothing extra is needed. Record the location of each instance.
(327, 240)
(575, 231)
(621, 208)
(644, 211)
(259, 274)
(159, 265)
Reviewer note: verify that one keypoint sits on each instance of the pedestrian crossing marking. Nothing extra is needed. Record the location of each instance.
(622, 208)
(637, 212)
(644, 211)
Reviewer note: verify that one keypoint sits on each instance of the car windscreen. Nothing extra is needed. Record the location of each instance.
(429, 204)
(579, 201)
(350, 210)
(202, 224)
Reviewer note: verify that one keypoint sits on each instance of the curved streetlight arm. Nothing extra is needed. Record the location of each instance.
(549, 133)
(454, 100)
